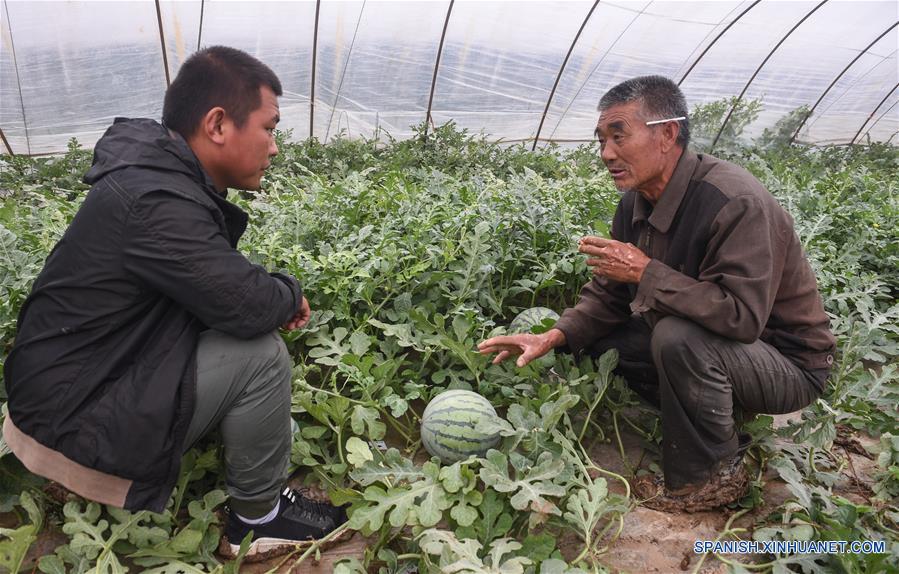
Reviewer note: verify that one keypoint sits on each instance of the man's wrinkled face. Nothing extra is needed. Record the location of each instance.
(251, 146)
(629, 148)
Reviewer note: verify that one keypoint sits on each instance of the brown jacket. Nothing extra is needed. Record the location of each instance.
(724, 255)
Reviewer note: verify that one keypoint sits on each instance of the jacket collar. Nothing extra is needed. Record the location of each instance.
(190, 158)
(663, 214)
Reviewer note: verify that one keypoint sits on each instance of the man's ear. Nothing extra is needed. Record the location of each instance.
(670, 131)
(213, 126)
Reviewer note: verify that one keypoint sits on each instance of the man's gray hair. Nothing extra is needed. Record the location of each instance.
(660, 97)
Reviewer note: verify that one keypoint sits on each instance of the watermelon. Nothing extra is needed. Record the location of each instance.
(525, 321)
(449, 426)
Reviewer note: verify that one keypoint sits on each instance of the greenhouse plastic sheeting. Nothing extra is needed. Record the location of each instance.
(515, 71)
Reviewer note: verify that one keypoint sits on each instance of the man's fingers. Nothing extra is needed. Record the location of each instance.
(494, 342)
(502, 356)
(595, 241)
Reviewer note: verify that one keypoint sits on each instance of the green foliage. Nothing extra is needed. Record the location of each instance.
(413, 251)
(17, 541)
(706, 122)
(887, 485)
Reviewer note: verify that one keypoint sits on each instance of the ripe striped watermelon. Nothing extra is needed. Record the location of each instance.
(448, 426)
(525, 321)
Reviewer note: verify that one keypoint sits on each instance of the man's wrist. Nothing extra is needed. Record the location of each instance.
(556, 338)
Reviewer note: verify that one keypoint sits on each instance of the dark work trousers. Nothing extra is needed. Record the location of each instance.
(698, 379)
(243, 389)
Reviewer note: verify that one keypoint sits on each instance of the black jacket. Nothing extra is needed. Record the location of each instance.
(103, 369)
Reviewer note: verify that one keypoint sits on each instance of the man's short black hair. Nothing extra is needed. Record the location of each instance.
(216, 76)
(660, 97)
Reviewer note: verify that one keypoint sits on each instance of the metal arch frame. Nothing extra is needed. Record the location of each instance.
(15, 63)
(700, 46)
(346, 66)
(837, 79)
(428, 119)
(598, 62)
(871, 115)
(200, 29)
(165, 57)
(759, 69)
(713, 42)
(885, 112)
(318, 4)
(552, 93)
(6, 143)
(852, 85)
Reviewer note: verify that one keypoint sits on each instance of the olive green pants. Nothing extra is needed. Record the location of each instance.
(243, 389)
(699, 379)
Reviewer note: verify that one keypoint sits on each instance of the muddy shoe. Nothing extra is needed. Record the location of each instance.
(300, 522)
(728, 485)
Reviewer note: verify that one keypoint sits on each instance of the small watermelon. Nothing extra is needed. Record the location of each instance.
(527, 320)
(449, 426)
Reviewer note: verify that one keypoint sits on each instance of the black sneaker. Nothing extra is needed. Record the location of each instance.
(300, 522)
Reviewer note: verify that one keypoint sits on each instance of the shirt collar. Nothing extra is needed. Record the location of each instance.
(663, 214)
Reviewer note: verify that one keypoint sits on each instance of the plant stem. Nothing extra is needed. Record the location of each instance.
(593, 405)
(727, 531)
(624, 459)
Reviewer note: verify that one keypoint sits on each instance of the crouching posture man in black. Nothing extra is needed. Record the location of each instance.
(704, 290)
(147, 328)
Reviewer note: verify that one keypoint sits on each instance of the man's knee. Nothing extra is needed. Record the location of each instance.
(277, 354)
(676, 342)
(271, 355)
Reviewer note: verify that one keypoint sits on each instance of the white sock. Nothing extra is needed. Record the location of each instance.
(262, 519)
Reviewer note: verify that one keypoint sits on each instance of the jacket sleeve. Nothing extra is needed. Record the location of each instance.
(737, 283)
(603, 304)
(175, 247)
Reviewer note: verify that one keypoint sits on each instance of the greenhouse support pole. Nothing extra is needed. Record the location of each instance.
(15, 63)
(855, 81)
(868, 119)
(837, 79)
(318, 5)
(165, 57)
(428, 120)
(559, 75)
(6, 143)
(880, 117)
(621, 34)
(200, 29)
(346, 65)
(713, 42)
(762, 65)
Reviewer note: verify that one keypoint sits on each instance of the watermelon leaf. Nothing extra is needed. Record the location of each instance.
(420, 503)
(17, 541)
(462, 555)
(357, 452)
(531, 488)
(366, 422)
(586, 506)
(328, 350)
(393, 468)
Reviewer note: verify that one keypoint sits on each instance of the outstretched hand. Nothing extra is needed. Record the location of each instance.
(528, 346)
(299, 320)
